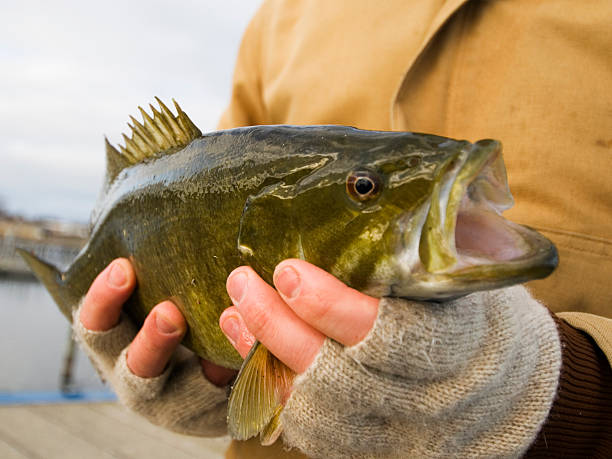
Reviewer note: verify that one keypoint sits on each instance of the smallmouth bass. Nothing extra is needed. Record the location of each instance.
(397, 214)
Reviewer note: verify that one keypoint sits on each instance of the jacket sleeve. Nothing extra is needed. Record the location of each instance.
(580, 420)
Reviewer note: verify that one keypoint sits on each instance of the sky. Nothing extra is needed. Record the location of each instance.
(72, 71)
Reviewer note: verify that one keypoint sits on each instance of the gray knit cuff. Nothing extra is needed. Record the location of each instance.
(103, 347)
(423, 340)
(474, 377)
(180, 399)
(130, 387)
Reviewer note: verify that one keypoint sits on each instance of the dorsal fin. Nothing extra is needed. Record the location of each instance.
(115, 162)
(162, 133)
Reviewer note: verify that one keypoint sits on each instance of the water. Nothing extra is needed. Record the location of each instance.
(33, 341)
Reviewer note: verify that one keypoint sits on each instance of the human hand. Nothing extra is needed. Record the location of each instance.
(163, 329)
(472, 376)
(142, 366)
(293, 321)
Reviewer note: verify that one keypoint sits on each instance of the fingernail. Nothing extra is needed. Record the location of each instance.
(237, 286)
(164, 325)
(231, 328)
(116, 276)
(288, 282)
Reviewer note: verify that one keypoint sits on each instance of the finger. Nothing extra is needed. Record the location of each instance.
(219, 376)
(102, 305)
(158, 338)
(272, 322)
(325, 303)
(236, 331)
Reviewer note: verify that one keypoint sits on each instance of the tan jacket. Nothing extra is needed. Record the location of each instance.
(535, 74)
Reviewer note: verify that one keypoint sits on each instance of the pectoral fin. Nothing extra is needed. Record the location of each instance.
(256, 401)
(273, 430)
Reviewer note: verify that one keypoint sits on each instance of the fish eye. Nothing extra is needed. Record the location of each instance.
(363, 185)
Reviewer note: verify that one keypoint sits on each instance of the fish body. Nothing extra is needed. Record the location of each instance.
(389, 213)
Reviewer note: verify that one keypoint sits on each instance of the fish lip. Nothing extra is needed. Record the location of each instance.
(478, 190)
(437, 247)
(485, 198)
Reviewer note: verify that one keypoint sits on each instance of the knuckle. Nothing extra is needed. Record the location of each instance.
(96, 298)
(257, 318)
(303, 358)
(151, 343)
(247, 339)
(100, 295)
(158, 342)
(100, 309)
(322, 306)
(314, 308)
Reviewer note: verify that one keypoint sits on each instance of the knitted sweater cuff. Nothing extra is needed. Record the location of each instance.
(580, 420)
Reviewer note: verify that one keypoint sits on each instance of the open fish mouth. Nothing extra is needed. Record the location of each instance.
(464, 243)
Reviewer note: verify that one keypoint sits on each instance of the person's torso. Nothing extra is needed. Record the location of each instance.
(535, 75)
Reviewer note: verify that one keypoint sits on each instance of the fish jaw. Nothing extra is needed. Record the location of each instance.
(463, 242)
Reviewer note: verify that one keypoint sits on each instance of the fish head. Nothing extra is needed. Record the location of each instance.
(397, 214)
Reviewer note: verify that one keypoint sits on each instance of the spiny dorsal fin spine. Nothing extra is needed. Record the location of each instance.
(142, 133)
(140, 141)
(111, 152)
(162, 126)
(115, 161)
(168, 117)
(152, 128)
(155, 135)
(185, 122)
(131, 150)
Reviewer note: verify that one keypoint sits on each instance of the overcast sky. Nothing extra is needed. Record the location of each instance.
(72, 71)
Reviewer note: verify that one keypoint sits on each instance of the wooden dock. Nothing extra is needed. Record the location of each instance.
(94, 430)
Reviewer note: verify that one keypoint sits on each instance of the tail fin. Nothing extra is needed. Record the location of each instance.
(51, 278)
(257, 398)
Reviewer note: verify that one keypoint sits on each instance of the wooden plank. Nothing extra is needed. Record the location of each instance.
(196, 446)
(10, 450)
(123, 434)
(37, 437)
